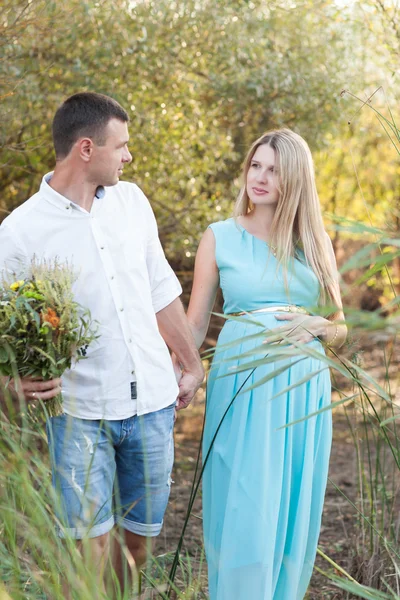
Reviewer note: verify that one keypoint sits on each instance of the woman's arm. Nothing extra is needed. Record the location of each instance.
(336, 330)
(204, 290)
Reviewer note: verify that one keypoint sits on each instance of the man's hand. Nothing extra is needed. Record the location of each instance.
(34, 388)
(188, 386)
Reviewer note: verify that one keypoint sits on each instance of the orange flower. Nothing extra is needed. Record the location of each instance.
(55, 321)
(50, 317)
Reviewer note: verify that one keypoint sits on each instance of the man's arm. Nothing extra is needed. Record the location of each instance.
(171, 318)
(176, 333)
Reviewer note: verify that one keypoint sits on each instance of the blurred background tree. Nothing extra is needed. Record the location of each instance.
(201, 80)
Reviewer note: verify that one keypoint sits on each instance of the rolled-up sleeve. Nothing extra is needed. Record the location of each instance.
(164, 284)
(13, 260)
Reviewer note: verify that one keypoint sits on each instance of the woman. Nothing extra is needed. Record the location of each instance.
(264, 483)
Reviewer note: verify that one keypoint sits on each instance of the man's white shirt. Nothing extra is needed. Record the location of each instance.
(123, 278)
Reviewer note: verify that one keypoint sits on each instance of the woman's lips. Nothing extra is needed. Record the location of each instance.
(259, 191)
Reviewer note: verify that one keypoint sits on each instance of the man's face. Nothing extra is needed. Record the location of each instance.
(107, 161)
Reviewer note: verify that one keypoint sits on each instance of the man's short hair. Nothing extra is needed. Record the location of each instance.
(84, 115)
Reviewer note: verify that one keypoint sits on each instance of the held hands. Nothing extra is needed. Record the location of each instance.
(301, 329)
(35, 389)
(188, 386)
(188, 383)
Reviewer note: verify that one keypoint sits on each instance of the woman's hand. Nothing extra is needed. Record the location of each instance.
(301, 329)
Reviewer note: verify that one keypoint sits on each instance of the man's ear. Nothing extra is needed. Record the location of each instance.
(85, 146)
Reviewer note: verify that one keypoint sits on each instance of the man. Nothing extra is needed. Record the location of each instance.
(116, 434)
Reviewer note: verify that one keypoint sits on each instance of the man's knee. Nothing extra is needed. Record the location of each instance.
(135, 541)
(138, 546)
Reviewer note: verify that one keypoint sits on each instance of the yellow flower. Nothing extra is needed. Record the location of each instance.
(16, 285)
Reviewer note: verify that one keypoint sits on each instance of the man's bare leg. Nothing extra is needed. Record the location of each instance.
(129, 557)
(95, 552)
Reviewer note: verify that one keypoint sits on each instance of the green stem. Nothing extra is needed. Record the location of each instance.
(54, 406)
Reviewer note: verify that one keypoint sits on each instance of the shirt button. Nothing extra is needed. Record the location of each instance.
(112, 276)
(101, 247)
(130, 341)
(67, 207)
(121, 309)
(132, 372)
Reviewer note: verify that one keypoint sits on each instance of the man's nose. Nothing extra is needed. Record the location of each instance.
(127, 158)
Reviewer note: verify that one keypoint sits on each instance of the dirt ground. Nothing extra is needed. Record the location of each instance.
(338, 537)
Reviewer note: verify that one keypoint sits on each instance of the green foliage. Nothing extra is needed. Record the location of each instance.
(201, 80)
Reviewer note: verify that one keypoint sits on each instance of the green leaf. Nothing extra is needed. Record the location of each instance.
(45, 354)
(273, 374)
(359, 590)
(317, 412)
(4, 356)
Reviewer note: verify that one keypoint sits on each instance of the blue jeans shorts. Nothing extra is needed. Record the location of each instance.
(107, 472)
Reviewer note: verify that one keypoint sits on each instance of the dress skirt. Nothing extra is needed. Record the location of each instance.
(264, 483)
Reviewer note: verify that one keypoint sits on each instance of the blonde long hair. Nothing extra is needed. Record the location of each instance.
(298, 220)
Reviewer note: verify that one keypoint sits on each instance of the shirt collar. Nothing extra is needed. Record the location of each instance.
(58, 199)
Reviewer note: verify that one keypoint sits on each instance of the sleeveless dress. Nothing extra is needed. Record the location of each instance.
(263, 486)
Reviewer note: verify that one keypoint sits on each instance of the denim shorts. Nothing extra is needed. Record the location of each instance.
(107, 472)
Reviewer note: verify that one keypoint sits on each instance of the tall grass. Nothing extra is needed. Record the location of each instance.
(31, 554)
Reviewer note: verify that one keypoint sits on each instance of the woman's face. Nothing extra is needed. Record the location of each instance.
(262, 177)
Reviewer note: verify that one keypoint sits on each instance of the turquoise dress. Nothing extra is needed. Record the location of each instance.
(263, 486)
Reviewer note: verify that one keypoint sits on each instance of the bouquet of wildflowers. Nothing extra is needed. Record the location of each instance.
(42, 329)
